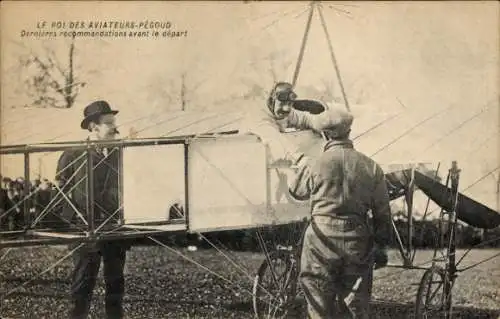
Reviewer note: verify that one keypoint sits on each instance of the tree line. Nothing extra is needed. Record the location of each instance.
(427, 234)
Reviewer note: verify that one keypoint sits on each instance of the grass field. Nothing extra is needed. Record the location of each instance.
(162, 284)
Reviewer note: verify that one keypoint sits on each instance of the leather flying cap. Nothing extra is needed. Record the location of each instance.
(94, 110)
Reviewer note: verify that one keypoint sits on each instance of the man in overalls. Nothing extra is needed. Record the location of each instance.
(343, 241)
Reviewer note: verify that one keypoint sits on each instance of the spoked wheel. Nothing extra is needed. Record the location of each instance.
(275, 286)
(433, 301)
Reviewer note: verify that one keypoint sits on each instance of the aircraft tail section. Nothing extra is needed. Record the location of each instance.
(468, 210)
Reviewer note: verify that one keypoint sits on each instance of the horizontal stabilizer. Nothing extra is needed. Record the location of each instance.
(468, 210)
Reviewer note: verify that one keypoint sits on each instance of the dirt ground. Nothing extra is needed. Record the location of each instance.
(162, 284)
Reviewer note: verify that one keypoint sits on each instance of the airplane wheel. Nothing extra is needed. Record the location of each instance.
(274, 298)
(431, 296)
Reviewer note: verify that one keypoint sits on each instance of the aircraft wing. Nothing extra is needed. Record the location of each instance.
(468, 210)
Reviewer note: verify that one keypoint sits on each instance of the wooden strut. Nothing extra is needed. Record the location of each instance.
(454, 174)
(303, 45)
(34, 237)
(82, 145)
(330, 48)
(334, 60)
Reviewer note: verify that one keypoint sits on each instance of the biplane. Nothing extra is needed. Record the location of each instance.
(222, 179)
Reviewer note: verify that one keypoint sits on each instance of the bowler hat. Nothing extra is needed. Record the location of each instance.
(94, 110)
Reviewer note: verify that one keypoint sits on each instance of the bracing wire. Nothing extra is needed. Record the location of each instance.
(190, 124)
(46, 210)
(347, 5)
(481, 179)
(32, 170)
(473, 184)
(385, 121)
(479, 146)
(169, 119)
(235, 263)
(480, 262)
(451, 131)
(240, 267)
(27, 119)
(163, 245)
(482, 244)
(285, 14)
(58, 262)
(26, 198)
(456, 128)
(274, 22)
(267, 15)
(197, 263)
(396, 273)
(411, 129)
(343, 12)
(431, 145)
(247, 38)
(5, 253)
(225, 124)
(334, 59)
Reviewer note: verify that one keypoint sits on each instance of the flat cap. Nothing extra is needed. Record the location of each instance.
(335, 120)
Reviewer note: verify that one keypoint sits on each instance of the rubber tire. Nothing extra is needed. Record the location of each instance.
(260, 274)
(421, 294)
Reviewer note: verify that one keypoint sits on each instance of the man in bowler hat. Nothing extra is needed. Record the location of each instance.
(99, 120)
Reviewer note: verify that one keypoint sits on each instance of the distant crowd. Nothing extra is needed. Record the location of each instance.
(36, 195)
(16, 195)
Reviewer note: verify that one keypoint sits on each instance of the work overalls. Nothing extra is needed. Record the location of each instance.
(343, 185)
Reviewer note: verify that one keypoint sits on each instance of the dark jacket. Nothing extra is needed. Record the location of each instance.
(72, 179)
(344, 183)
(5, 206)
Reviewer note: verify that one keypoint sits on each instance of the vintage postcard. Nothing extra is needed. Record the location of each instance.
(189, 147)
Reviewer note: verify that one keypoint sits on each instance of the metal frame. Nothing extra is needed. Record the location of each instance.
(186, 183)
(406, 249)
(450, 264)
(124, 231)
(33, 236)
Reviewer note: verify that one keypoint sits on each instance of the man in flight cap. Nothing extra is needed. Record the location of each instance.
(342, 242)
(267, 122)
(99, 120)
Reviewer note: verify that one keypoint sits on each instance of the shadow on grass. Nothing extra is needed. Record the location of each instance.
(384, 309)
(39, 281)
(379, 310)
